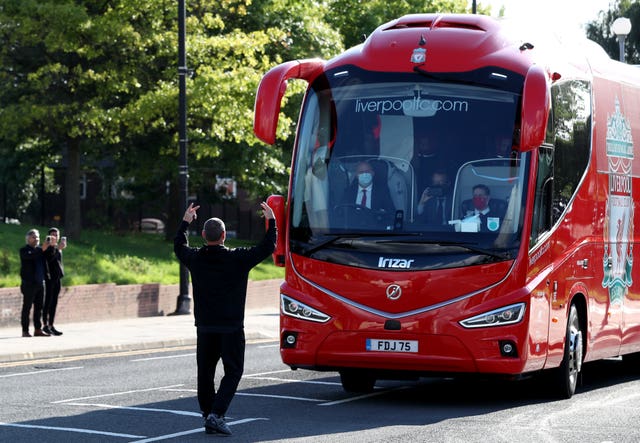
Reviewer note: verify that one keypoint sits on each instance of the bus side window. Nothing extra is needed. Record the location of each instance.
(542, 210)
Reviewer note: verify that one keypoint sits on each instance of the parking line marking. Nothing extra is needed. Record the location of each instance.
(168, 436)
(117, 393)
(291, 380)
(182, 390)
(17, 374)
(247, 394)
(93, 356)
(194, 431)
(165, 357)
(283, 397)
(268, 373)
(360, 397)
(134, 408)
(79, 430)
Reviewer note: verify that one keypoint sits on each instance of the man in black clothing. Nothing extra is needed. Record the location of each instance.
(32, 274)
(55, 271)
(434, 207)
(219, 277)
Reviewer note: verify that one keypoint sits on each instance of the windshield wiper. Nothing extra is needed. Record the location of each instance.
(505, 255)
(468, 246)
(332, 238)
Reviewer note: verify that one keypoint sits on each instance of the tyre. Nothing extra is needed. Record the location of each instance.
(632, 362)
(567, 375)
(357, 380)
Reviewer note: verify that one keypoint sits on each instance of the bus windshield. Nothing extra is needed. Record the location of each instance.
(407, 162)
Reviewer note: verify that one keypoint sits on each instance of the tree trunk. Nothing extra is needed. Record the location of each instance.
(72, 215)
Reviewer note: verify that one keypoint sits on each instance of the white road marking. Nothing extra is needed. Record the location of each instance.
(246, 394)
(134, 408)
(268, 373)
(360, 397)
(117, 393)
(79, 430)
(165, 357)
(17, 374)
(282, 397)
(311, 382)
(194, 431)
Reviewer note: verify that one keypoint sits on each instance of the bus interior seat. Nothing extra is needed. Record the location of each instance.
(339, 181)
(396, 181)
(396, 148)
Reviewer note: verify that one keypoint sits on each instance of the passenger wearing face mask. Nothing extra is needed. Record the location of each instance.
(365, 192)
(481, 207)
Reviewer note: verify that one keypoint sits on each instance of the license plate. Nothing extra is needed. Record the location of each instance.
(374, 344)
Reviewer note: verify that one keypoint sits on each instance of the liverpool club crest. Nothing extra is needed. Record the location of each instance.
(419, 56)
(618, 225)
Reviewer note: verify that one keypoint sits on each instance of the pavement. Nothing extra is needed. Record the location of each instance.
(132, 334)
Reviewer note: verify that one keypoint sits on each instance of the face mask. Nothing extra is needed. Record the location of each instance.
(479, 202)
(365, 179)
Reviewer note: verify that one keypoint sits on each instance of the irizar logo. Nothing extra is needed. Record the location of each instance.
(398, 263)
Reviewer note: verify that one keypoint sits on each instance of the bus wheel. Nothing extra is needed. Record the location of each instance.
(354, 380)
(632, 362)
(569, 371)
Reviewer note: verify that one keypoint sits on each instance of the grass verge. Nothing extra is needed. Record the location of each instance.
(105, 257)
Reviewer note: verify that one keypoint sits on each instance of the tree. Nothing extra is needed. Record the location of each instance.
(600, 30)
(229, 55)
(69, 69)
(91, 80)
(364, 16)
(95, 82)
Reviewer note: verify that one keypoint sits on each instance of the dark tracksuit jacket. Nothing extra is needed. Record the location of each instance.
(219, 277)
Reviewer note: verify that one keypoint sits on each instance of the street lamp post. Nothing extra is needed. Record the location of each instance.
(184, 301)
(621, 27)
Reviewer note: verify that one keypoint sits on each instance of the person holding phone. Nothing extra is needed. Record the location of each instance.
(434, 206)
(32, 273)
(54, 272)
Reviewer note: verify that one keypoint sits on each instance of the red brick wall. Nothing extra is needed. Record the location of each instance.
(87, 303)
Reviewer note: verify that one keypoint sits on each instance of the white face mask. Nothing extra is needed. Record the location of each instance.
(365, 179)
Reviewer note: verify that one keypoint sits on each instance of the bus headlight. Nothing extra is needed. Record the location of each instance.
(498, 317)
(294, 308)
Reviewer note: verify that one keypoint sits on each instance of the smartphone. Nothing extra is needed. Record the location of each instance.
(435, 191)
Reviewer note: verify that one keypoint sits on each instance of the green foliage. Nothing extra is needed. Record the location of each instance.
(5, 263)
(103, 257)
(600, 30)
(101, 77)
(95, 81)
(364, 16)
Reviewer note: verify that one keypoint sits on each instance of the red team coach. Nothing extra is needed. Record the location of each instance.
(537, 275)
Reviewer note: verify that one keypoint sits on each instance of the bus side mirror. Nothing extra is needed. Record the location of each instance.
(271, 90)
(536, 103)
(277, 204)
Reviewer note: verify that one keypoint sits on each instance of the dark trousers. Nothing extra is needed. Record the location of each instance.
(211, 348)
(52, 290)
(32, 295)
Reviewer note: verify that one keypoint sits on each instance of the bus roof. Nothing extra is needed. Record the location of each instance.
(464, 42)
